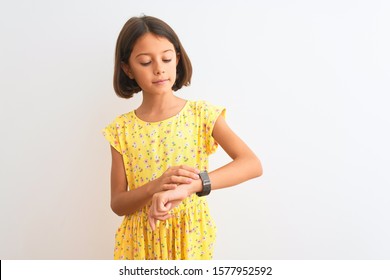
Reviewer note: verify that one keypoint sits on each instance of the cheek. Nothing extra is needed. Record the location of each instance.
(139, 72)
(173, 67)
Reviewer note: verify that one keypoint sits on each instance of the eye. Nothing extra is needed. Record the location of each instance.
(167, 60)
(145, 63)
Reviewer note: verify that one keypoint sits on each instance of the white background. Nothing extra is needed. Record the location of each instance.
(305, 84)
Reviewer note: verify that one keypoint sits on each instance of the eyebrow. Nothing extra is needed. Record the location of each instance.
(169, 50)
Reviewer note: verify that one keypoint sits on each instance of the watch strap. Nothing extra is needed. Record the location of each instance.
(206, 184)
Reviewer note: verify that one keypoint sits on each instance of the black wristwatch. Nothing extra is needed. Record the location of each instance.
(206, 184)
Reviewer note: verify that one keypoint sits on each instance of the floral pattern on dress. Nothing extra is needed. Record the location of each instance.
(148, 150)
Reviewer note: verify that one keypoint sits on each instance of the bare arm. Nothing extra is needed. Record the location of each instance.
(244, 165)
(124, 202)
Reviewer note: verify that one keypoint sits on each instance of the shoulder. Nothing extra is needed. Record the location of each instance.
(203, 106)
(122, 119)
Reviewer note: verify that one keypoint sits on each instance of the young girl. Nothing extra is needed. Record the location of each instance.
(160, 151)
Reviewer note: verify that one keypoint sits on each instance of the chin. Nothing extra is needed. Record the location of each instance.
(160, 92)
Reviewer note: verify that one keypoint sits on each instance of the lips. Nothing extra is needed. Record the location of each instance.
(160, 82)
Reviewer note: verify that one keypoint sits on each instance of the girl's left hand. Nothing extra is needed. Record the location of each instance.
(163, 202)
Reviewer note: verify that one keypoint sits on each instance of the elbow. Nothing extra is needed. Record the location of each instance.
(116, 210)
(251, 167)
(257, 168)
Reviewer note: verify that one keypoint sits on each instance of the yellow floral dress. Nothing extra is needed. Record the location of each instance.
(148, 150)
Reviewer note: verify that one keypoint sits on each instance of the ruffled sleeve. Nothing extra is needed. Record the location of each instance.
(114, 133)
(209, 115)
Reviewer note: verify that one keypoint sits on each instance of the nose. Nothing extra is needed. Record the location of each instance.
(158, 68)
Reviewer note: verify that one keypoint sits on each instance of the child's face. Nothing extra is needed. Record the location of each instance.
(152, 64)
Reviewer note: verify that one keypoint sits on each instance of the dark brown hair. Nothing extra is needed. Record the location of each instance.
(133, 29)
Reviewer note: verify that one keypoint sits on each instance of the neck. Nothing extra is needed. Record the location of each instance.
(156, 106)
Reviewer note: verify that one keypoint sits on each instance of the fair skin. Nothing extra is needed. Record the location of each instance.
(152, 64)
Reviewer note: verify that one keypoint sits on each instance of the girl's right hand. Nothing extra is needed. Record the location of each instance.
(174, 176)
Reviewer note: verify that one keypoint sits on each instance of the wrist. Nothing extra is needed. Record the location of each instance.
(151, 188)
(194, 187)
(206, 184)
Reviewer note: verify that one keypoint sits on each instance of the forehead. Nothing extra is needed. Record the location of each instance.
(151, 44)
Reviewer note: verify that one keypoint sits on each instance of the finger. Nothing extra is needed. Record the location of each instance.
(162, 208)
(167, 187)
(190, 173)
(161, 216)
(183, 167)
(166, 217)
(177, 179)
(189, 168)
(152, 223)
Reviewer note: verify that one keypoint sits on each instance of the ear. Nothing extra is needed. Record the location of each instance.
(126, 68)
